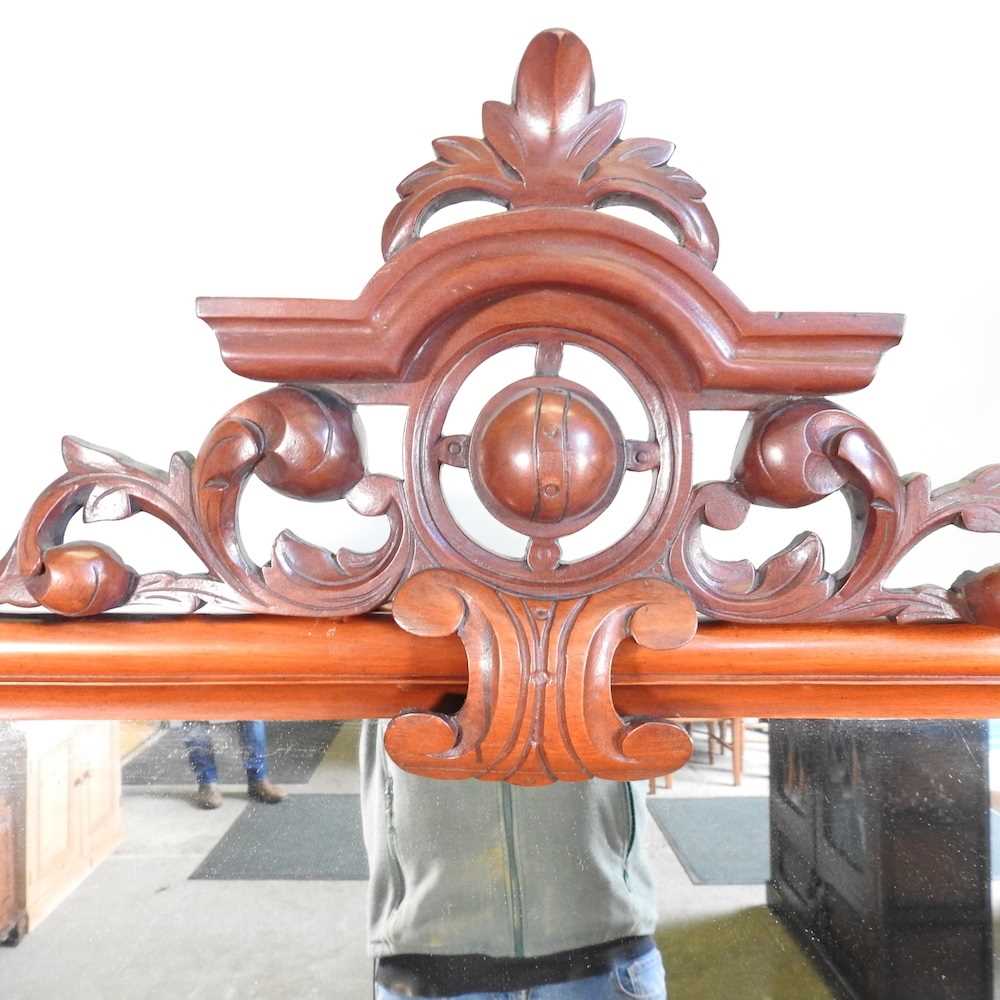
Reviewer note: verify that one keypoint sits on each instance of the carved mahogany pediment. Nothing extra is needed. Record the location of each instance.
(545, 455)
(421, 308)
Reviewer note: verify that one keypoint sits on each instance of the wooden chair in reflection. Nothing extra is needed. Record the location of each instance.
(716, 730)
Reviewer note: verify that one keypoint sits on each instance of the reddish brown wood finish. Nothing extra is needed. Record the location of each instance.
(538, 706)
(545, 456)
(380, 337)
(552, 146)
(175, 666)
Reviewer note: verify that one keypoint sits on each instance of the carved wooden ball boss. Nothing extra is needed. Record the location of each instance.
(545, 456)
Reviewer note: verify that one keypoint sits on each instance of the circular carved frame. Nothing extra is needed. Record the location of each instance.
(615, 336)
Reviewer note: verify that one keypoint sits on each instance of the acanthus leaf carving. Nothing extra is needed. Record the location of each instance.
(300, 441)
(792, 454)
(184, 593)
(552, 146)
(112, 504)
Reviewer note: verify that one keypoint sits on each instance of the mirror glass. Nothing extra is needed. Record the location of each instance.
(789, 859)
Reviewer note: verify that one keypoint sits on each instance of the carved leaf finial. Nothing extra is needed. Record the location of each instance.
(552, 147)
(552, 125)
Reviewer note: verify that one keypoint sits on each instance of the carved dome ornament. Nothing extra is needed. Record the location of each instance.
(544, 455)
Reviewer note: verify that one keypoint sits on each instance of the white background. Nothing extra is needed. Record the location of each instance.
(152, 153)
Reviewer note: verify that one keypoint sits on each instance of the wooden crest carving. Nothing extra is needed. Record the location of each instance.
(545, 455)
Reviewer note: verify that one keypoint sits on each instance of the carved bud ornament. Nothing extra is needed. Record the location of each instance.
(545, 455)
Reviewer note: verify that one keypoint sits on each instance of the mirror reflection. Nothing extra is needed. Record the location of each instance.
(789, 859)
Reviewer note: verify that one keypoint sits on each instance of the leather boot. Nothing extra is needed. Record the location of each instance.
(263, 790)
(209, 796)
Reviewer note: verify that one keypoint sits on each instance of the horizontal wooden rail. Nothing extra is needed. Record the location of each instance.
(209, 666)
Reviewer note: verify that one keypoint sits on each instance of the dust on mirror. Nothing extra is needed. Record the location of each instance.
(788, 859)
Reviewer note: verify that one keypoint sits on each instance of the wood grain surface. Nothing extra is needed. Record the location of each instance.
(168, 666)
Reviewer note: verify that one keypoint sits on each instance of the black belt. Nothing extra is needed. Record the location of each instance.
(452, 975)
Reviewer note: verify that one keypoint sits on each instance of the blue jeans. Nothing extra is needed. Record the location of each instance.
(198, 740)
(641, 978)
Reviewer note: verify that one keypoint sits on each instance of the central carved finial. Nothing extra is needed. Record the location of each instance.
(552, 147)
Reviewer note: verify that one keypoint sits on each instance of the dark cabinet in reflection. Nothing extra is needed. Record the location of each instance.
(880, 854)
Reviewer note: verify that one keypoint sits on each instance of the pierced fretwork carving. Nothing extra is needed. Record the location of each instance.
(301, 442)
(794, 453)
(551, 146)
(545, 455)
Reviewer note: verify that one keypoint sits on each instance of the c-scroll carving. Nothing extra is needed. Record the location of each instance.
(539, 706)
(794, 453)
(302, 442)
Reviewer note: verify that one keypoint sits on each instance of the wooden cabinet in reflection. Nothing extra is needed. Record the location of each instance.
(63, 784)
(13, 917)
(880, 854)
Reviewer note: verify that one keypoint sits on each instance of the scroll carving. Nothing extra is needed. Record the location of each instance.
(546, 455)
(795, 453)
(539, 707)
(302, 442)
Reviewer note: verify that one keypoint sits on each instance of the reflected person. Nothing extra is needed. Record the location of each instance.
(201, 756)
(482, 890)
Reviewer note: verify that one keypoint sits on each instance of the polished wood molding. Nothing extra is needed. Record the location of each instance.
(171, 666)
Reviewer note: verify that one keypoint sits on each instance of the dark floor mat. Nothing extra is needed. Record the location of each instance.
(294, 750)
(703, 835)
(306, 837)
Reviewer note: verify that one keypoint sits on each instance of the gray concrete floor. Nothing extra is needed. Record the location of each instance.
(139, 929)
(680, 901)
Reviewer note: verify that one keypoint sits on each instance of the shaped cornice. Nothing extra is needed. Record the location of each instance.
(409, 309)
